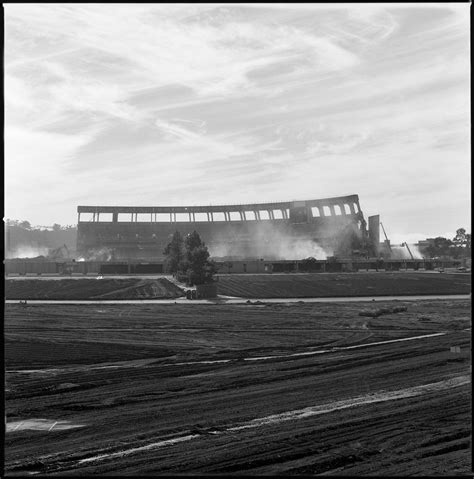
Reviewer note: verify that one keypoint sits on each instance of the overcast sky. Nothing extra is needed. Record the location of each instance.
(153, 104)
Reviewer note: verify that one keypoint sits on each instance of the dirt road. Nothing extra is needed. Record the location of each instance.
(247, 389)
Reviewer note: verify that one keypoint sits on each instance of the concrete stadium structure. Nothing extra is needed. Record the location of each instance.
(284, 230)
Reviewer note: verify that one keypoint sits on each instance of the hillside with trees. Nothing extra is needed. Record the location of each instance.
(22, 240)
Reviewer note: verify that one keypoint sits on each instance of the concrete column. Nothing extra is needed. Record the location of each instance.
(257, 215)
(242, 215)
(321, 211)
(208, 216)
(284, 213)
(333, 211)
(271, 215)
(352, 208)
(78, 217)
(343, 210)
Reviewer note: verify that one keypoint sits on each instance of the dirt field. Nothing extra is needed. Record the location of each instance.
(91, 288)
(246, 285)
(342, 284)
(247, 389)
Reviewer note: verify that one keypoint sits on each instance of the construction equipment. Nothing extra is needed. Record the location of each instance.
(387, 241)
(59, 253)
(406, 245)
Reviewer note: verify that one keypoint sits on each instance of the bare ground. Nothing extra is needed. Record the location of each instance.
(91, 288)
(342, 284)
(171, 389)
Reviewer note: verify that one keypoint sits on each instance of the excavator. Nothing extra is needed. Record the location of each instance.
(62, 256)
(59, 253)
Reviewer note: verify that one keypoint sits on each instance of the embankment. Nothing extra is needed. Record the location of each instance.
(91, 288)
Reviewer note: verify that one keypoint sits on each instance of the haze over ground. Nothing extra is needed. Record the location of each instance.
(153, 104)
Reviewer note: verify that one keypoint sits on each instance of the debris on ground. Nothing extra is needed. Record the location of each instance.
(380, 311)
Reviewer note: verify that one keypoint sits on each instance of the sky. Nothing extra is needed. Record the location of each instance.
(198, 104)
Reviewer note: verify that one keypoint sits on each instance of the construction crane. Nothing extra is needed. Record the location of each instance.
(387, 241)
(406, 246)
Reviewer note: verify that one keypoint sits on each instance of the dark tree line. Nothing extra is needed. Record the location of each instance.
(26, 225)
(188, 259)
(458, 247)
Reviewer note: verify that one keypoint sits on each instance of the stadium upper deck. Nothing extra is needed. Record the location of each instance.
(263, 230)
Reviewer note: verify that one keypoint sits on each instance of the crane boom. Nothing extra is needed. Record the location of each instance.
(383, 229)
(386, 238)
(406, 245)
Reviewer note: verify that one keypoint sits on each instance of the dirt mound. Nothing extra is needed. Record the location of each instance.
(146, 289)
(128, 288)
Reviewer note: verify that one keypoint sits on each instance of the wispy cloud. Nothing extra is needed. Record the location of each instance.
(239, 102)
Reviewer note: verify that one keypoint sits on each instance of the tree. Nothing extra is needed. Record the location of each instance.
(462, 242)
(25, 225)
(458, 247)
(189, 258)
(198, 268)
(462, 238)
(175, 253)
(440, 247)
(56, 227)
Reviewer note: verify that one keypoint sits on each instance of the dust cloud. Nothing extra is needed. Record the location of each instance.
(98, 254)
(401, 252)
(268, 243)
(25, 251)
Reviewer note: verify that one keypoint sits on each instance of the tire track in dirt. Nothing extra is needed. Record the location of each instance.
(146, 362)
(381, 396)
